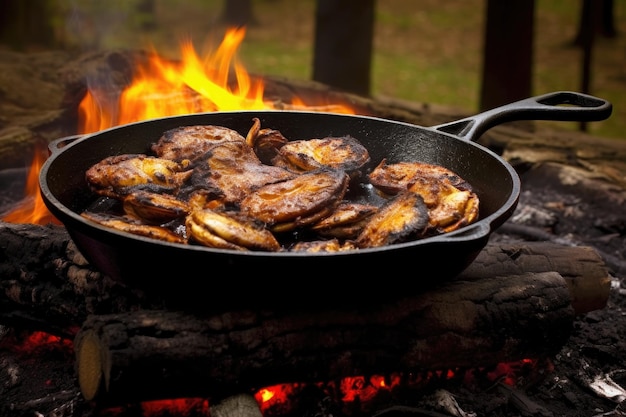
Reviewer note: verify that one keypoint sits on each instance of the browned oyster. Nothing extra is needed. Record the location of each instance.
(346, 221)
(450, 199)
(393, 178)
(153, 207)
(135, 226)
(403, 217)
(208, 185)
(344, 153)
(231, 171)
(119, 175)
(229, 230)
(191, 142)
(297, 202)
(331, 245)
(455, 208)
(265, 142)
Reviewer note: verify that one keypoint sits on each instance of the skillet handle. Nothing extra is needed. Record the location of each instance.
(56, 145)
(567, 106)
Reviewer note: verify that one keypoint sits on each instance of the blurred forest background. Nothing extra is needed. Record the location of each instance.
(427, 51)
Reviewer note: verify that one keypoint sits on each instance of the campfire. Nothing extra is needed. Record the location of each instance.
(164, 88)
(498, 327)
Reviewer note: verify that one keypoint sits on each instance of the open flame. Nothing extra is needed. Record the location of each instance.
(32, 209)
(161, 88)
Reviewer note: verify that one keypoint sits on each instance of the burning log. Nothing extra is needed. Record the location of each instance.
(46, 283)
(156, 354)
(482, 318)
(516, 300)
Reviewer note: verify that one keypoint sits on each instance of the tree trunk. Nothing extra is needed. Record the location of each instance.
(26, 24)
(598, 17)
(508, 56)
(238, 13)
(344, 31)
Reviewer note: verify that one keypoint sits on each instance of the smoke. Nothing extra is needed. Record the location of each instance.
(96, 24)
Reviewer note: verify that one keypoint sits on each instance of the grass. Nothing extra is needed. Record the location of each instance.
(426, 51)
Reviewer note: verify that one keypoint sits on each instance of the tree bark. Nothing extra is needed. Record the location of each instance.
(344, 33)
(238, 13)
(157, 354)
(597, 17)
(508, 56)
(26, 25)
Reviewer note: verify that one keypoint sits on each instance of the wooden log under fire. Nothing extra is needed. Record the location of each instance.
(516, 300)
(480, 319)
(156, 354)
(45, 280)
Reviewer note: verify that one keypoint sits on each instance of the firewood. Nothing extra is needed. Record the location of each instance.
(582, 268)
(46, 283)
(45, 280)
(152, 354)
(132, 348)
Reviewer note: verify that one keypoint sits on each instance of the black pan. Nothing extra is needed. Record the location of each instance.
(218, 278)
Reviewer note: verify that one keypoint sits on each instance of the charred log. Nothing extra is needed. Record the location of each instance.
(152, 354)
(46, 284)
(45, 280)
(514, 301)
(582, 269)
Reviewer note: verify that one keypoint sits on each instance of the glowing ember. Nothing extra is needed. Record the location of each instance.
(163, 88)
(37, 339)
(362, 390)
(176, 407)
(355, 390)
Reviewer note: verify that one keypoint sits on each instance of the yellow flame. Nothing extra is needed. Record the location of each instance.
(161, 88)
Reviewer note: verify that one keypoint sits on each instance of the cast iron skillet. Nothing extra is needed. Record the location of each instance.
(218, 278)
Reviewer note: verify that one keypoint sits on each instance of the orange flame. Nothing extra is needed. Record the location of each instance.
(32, 209)
(164, 88)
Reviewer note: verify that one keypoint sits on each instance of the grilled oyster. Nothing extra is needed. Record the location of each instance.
(231, 171)
(135, 226)
(297, 202)
(191, 142)
(401, 218)
(346, 221)
(119, 175)
(265, 142)
(229, 230)
(153, 207)
(450, 199)
(211, 186)
(455, 208)
(393, 178)
(344, 153)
